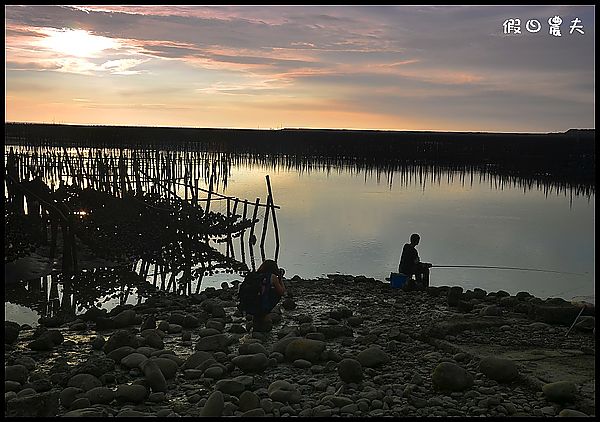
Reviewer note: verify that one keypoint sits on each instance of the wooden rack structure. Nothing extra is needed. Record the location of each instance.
(125, 173)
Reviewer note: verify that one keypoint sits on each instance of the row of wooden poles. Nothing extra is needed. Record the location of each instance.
(126, 171)
(198, 165)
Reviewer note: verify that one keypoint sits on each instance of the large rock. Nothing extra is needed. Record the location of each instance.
(133, 360)
(282, 344)
(93, 314)
(119, 339)
(153, 339)
(450, 377)
(350, 370)
(214, 343)
(18, 373)
(196, 359)
(37, 405)
(154, 376)
(68, 396)
(252, 348)
(306, 349)
(84, 381)
(100, 395)
(340, 313)
(230, 386)
(248, 400)
(284, 392)
(214, 405)
(131, 393)
(205, 332)
(95, 365)
(124, 318)
(560, 392)
(251, 363)
(118, 354)
(11, 332)
(47, 340)
(168, 367)
(373, 356)
(498, 369)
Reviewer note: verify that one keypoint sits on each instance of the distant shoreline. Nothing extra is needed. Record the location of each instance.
(567, 157)
(570, 132)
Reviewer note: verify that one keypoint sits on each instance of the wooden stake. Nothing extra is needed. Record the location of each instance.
(274, 218)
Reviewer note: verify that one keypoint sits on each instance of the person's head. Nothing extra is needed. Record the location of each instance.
(268, 266)
(414, 239)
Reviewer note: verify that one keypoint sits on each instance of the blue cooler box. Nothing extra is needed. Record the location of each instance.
(397, 280)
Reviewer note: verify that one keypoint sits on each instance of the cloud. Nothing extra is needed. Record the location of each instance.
(363, 55)
(122, 66)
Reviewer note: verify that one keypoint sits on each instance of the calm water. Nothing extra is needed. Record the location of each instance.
(345, 223)
(353, 222)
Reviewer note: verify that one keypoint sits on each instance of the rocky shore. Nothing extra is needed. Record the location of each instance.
(341, 346)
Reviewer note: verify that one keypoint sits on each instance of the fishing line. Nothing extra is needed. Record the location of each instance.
(507, 268)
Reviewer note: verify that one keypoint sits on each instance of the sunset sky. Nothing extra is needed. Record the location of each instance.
(381, 67)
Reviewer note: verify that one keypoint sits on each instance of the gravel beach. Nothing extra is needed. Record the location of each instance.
(345, 346)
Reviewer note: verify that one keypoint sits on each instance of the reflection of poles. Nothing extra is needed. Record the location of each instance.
(200, 278)
(66, 304)
(53, 300)
(187, 269)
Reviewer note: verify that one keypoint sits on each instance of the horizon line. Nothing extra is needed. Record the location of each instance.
(290, 128)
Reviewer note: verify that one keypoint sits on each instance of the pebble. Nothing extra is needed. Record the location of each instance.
(325, 373)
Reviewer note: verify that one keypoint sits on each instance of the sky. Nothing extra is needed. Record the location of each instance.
(441, 68)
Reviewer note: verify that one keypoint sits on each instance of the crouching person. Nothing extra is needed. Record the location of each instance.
(260, 291)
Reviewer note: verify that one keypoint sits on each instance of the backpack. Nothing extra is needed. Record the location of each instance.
(253, 293)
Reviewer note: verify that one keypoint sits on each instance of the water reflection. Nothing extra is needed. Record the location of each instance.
(53, 295)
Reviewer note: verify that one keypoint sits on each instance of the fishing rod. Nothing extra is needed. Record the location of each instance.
(506, 268)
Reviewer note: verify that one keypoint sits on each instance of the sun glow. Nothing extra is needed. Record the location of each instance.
(76, 42)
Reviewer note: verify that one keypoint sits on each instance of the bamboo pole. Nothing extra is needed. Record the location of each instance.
(264, 230)
(252, 238)
(274, 218)
(209, 195)
(243, 232)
